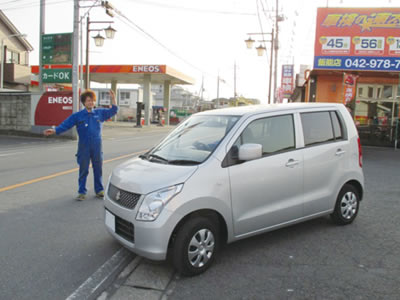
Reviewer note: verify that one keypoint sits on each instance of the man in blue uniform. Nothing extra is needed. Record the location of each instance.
(88, 124)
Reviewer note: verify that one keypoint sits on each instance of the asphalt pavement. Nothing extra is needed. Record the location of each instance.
(51, 244)
(312, 260)
(53, 247)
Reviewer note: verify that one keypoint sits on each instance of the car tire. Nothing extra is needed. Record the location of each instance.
(347, 205)
(195, 247)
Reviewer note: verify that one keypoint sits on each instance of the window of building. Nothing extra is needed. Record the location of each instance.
(125, 95)
(317, 128)
(370, 92)
(104, 95)
(387, 92)
(12, 57)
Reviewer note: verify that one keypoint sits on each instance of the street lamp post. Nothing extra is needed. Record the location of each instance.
(2, 55)
(98, 40)
(260, 51)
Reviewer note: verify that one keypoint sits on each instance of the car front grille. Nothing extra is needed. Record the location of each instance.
(124, 229)
(123, 198)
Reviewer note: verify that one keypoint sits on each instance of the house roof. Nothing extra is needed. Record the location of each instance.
(14, 30)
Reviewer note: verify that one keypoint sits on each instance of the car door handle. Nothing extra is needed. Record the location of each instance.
(291, 163)
(340, 152)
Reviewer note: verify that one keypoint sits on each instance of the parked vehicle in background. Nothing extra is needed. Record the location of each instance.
(228, 174)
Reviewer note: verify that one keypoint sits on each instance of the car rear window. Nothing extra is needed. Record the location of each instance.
(317, 127)
(337, 126)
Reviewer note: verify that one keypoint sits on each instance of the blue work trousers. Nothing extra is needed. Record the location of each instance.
(90, 151)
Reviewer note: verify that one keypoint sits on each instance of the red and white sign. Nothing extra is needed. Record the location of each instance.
(287, 82)
(53, 108)
(358, 39)
(146, 69)
(349, 83)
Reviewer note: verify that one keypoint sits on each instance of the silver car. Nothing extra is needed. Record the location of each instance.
(228, 174)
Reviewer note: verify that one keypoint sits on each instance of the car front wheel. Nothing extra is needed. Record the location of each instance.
(195, 247)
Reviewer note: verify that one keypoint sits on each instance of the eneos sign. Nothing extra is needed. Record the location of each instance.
(358, 39)
(53, 108)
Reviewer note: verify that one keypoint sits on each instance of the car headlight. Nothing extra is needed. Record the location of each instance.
(154, 203)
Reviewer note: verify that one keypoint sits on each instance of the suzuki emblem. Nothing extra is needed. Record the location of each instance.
(118, 196)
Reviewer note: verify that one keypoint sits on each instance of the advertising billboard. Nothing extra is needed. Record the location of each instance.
(57, 48)
(287, 81)
(358, 39)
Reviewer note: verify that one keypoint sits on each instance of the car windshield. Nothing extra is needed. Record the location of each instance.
(192, 141)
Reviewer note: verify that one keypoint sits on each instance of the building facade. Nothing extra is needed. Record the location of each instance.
(15, 51)
(357, 63)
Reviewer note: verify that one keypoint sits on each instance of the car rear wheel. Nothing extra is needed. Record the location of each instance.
(195, 246)
(347, 205)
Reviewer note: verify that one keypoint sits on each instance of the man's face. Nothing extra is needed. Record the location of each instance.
(89, 102)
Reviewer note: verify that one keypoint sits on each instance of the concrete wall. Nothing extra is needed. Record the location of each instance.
(15, 112)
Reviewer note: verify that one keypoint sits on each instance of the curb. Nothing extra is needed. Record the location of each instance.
(104, 276)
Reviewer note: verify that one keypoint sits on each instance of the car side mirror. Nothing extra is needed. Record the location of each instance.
(250, 151)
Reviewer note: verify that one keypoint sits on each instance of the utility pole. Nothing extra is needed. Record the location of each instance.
(218, 91)
(41, 32)
(234, 81)
(276, 42)
(81, 56)
(75, 51)
(270, 66)
(87, 83)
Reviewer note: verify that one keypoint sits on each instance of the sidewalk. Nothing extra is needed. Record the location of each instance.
(142, 280)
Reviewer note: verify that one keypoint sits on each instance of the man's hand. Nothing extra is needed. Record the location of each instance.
(48, 132)
(112, 96)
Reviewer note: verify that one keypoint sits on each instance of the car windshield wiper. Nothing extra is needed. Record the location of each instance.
(157, 157)
(184, 162)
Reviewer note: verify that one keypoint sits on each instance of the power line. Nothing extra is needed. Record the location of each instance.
(141, 30)
(267, 17)
(13, 1)
(199, 10)
(35, 5)
(262, 31)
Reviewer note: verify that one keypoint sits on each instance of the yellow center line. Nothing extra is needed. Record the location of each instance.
(10, 187)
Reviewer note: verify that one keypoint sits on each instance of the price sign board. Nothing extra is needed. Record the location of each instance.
(394, 45)
(57, 49)
(369, 45)
(335, 44)
(358, 39)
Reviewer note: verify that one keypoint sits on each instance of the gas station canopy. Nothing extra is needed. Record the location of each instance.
(130, 74)
(135, 74)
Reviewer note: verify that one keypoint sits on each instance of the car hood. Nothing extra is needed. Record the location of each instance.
(142, 176)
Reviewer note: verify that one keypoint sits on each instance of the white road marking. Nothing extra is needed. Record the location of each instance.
(9, 154)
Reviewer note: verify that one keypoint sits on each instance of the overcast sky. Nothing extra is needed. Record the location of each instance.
(205, 37)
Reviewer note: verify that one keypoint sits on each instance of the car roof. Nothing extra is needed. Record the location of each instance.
(262, 108)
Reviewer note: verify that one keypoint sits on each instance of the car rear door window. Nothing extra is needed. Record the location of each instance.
(317, 128)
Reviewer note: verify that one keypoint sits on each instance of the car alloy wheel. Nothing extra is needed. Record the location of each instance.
(201, 248)
(348, 205)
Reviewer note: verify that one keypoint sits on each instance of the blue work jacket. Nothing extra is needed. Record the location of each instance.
(88, 124)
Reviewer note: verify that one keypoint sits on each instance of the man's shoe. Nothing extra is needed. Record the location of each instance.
(81, 197)
(100, 195)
